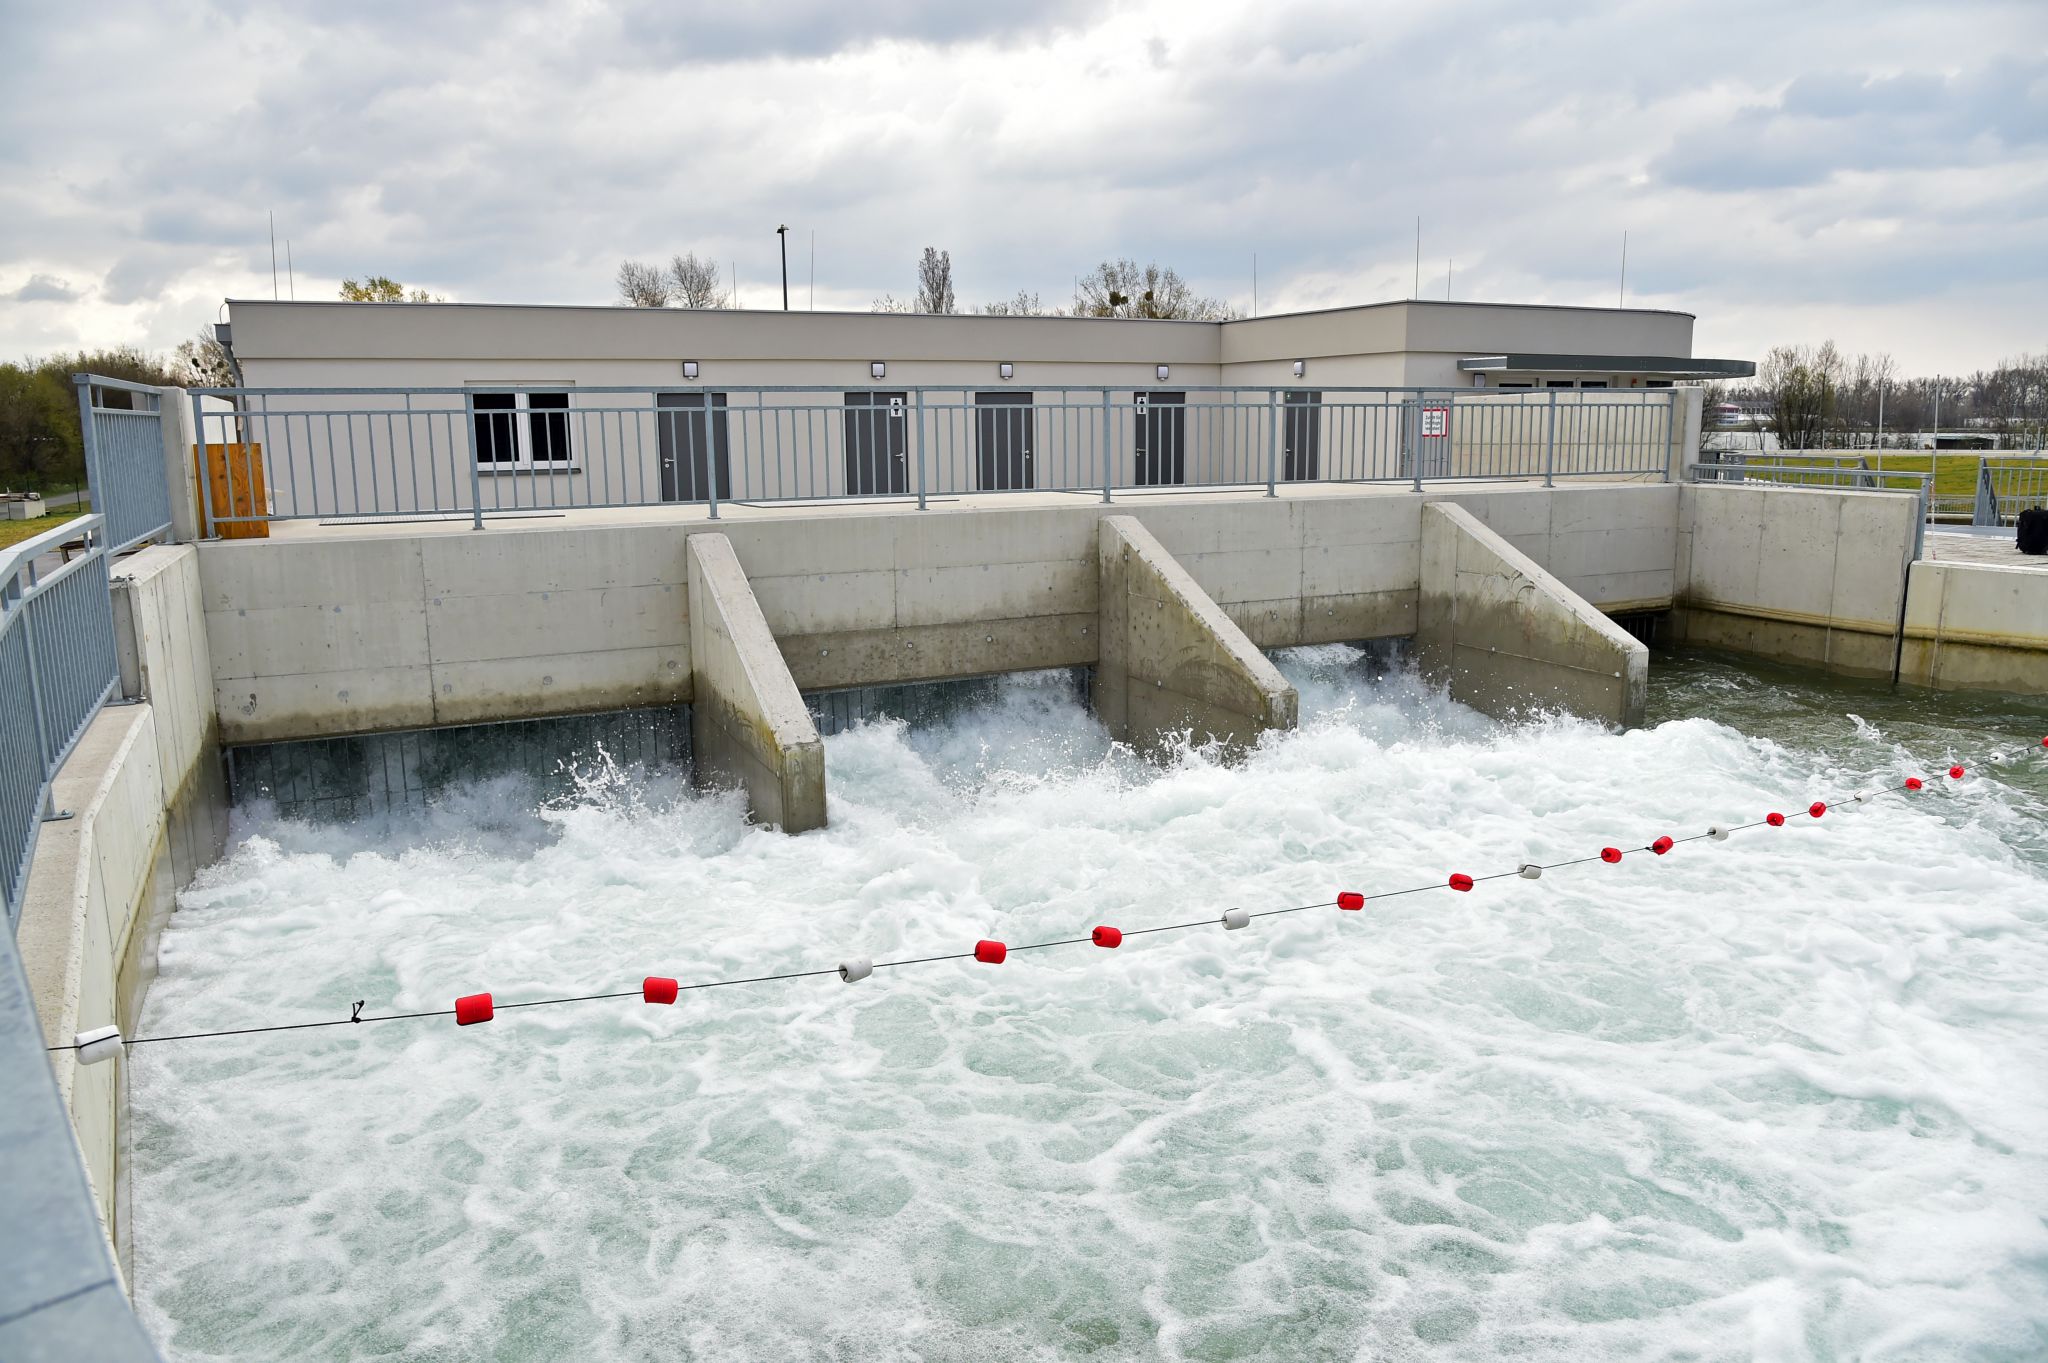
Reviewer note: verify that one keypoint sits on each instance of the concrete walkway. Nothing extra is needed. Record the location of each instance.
(1998, 551)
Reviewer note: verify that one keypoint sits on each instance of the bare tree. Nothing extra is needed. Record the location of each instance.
(1803, 383)
(1024, 304)
(887, 303)
(203, 362)
(935, 282)
(379, 288)
(693, 283)
(1121, 288)
(643, 286)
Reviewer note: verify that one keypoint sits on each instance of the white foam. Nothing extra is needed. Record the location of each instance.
(1775, 1097)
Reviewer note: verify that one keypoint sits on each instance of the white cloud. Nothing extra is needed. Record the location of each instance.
(1877, 172)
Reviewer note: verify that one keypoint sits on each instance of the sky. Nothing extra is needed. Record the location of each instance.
(1871, 172)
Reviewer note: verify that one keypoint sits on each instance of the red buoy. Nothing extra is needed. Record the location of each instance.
(1107, 937)
(1610, 855)
(1775, 820)
(1350, 899)
(2044, 742)
(655, 989)
(990, 953)
(1914, 783)
(1817, 808)
(1662, 845)
(1955, 773)
(1460, 881)
(471, 1008)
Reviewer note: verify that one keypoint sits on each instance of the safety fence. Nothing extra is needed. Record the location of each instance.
(105, 1042)
(479, 450)
(121, 424)
(2006, 488)
(1986, 490)
(57, 667)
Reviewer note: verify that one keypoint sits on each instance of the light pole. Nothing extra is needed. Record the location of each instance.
(1936, 438)
(782, 235)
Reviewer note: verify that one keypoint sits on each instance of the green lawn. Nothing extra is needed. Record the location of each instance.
(14, 532)
(1955, 475)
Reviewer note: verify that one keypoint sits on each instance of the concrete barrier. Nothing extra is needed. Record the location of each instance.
(1508, 636)
(1170, 660)
(148, 808)
(748, 723)
(1977, 627)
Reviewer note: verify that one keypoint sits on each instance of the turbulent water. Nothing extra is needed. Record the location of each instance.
(1781, 1097)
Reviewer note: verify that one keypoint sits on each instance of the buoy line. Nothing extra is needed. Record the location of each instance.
(103, 1043)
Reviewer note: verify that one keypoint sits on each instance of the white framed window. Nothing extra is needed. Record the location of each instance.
(526, 430)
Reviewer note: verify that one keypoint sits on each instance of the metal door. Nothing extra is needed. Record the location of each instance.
(688, 449)
(1301, 431)
(1162, 438)
(877, 444)
(1002, 441)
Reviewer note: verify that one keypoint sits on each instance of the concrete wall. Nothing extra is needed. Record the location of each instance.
(1977, 626)
(748, 725)
(1510, 638)
(1806, 576)
(402, 628)
(149, 810)
(1169, 660)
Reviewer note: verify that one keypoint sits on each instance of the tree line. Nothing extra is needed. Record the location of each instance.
(1114, 288)
(1812, 396)
(42, 448)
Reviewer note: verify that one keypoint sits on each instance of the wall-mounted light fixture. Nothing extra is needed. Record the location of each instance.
(689, 369)
(1300, 368)
(1163, 371)
(1006, 370)
(876, 369)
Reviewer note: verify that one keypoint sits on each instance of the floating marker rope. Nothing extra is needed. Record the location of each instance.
(471, 1009)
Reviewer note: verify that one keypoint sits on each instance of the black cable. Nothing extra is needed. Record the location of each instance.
(357, 1017)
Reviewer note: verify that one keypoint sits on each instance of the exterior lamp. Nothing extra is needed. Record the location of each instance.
(1006, 370)
(1163, 371)
(689, 369)
(1300, 368)
(876, 369)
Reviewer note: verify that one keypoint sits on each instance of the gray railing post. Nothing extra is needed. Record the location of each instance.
(95, 481)
(1670, 431)
(1985, 512)
(711, 448)
(1273, 455)
(920, 450)
(1418, 405)
(201, 471)
(1550, 442)
(476, 480)
(1107, 421)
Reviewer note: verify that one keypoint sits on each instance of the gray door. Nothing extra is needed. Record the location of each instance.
(1162, 438)
(1301, 435)
(877, 444)
(689, 448)
(1002, 441)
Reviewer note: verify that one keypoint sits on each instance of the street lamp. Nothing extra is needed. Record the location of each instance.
(782, 236)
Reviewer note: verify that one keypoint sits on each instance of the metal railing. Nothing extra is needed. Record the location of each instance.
(479, 450)
(1961, 490)
(2006, 488)
(57, 667)
(124, 457)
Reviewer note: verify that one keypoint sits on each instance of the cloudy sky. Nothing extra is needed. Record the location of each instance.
(1875, 172)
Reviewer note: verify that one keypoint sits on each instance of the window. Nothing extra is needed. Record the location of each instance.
(1557, 383)
(521, 430)
(1656, 383)
(1593, 383)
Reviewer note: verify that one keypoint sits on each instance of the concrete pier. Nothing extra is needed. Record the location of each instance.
(1170, 660)
(1510, 637)
(748, 725)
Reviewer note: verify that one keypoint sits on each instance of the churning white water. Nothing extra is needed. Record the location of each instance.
(1782, 1097)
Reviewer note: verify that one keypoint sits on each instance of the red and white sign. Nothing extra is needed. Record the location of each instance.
(1436, 422)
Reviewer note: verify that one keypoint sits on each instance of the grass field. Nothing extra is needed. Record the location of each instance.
(14, 532)
(1955, 475)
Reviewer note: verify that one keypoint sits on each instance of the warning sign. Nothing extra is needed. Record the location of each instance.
(1436, 422)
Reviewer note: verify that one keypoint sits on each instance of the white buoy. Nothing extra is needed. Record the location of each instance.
(859, 968)
(1237, 918)
(1531, 871)
(1718, 832)
(101, 1043)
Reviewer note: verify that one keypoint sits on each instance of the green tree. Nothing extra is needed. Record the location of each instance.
(384, 289)
(39, 446)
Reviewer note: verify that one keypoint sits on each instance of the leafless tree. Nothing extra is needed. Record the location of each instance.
(643, 286)
(203, 362)
(693, 282)
(888, 303)
(379, 288)
(1121, 288)
(935, 281)
(1024, 304)
(1803, 384)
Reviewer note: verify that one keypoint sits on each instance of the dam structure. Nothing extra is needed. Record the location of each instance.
(269, 569)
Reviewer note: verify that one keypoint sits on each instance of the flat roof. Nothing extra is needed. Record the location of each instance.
(1611, 364)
